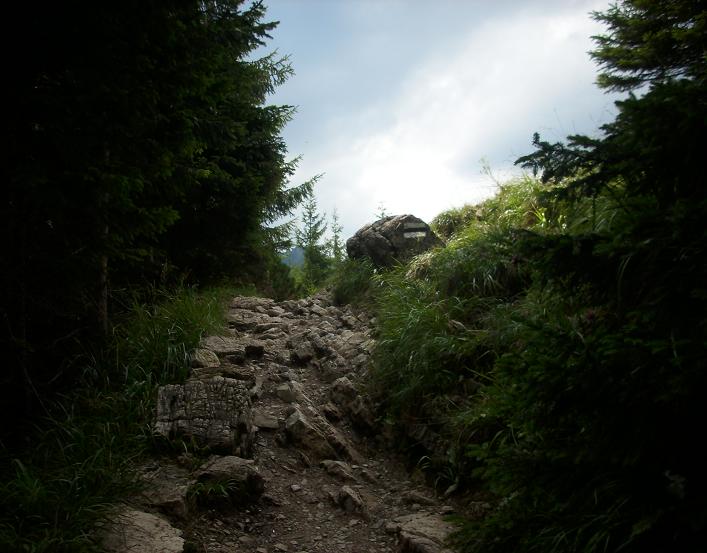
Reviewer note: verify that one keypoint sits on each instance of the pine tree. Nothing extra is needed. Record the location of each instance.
(601, 450)
(335, 245)
(309, 238)
(139, 138)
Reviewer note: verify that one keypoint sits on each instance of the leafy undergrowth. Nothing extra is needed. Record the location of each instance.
(559, 346)
(78, 459)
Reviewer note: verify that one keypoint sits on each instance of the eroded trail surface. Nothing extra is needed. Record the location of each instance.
(277, 401)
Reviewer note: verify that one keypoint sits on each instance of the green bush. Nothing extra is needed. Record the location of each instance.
(153, 342)
(560, 355)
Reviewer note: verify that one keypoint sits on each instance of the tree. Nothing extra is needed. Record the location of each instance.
(138, 139)
(598, 407)
(335, 245)
(651, 42)
(656, 143)
(309, 238)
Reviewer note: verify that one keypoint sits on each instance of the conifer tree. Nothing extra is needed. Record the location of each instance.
(600, 449)
(139, 138)
(309, 238)
(336, 248)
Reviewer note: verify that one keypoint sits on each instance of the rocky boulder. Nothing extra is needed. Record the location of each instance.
(238, 477)
(215, 412)
(138, 532)
(391, 240)
(422, 533)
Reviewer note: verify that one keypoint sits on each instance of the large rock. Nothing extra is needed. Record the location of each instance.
(344, 395)
(302, 432)
(391, 240)
(165, 489)
(351, 501)
(137, 532)
(422, 533)
(318, 437)
(239, 476)
(214, 412)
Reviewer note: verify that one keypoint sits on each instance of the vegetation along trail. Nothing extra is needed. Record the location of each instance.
(540, 364)
(280, 388)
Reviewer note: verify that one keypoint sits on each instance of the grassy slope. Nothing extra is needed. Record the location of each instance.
(79, 458)
(540, 342)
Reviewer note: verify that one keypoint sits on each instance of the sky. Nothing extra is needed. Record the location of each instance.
(401, 103)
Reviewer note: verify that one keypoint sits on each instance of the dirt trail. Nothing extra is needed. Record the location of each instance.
(322, 476)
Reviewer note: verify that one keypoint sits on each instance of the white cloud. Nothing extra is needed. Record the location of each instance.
(416, 148)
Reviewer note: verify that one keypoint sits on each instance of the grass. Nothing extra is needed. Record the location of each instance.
(352, 282)
(79, 459)
(442, 315)
(557, 349)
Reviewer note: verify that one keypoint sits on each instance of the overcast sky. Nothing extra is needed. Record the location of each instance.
(398, 101)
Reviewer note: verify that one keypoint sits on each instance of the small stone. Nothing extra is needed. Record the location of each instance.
(302, 354)
(223, 345)
(296, 488)
(338, 469)
(279, 547)
(254, 350)
(286, 392)
(351, 501)
(331, 412)
(301, 431)
(265, 420)
(204, 358)
(257, 389)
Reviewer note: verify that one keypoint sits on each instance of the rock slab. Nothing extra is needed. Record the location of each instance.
(214, 412)
(133, 531)
(391, 240)
(422, 533)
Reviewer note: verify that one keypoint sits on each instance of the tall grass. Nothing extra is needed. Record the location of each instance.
(79, 458)
(351, 282)
(438, 314)
(560, 348)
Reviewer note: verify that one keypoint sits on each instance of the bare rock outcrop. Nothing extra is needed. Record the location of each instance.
(422, 533)
(240, 475)
(391, 240)
(280, 398)
(138, 532)
(215, 412)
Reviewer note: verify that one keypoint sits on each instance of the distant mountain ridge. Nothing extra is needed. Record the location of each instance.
(294, 258)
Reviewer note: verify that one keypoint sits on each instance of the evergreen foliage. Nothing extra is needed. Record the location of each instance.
(351, 282)
(309, 237)
(335, 244)
(139, 151)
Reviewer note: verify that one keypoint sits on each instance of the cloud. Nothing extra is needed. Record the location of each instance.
(415, 145)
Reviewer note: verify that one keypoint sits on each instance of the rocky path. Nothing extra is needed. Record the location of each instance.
(297, 460)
